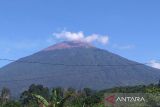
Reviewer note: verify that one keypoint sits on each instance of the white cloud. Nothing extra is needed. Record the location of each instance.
(154, 64)
(79, 36)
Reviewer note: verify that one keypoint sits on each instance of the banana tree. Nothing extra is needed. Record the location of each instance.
(41, 101)
(56, 101)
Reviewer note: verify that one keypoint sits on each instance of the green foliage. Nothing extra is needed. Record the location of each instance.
(39, 96)
(154, 98)
(5, 95)
(27, 99)
(40, 90)
(41, 100)
(153, 90)
(56, 101)
(91, 97)
(12, 104)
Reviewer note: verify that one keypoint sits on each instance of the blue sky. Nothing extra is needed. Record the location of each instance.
(131, 25)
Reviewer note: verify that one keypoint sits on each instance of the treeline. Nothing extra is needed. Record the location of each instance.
(40, 96)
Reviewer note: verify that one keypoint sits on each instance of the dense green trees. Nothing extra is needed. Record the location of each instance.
(35, 97)
(12, 104)
(40, 96)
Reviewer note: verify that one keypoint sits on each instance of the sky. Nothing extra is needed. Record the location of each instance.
(129, 28)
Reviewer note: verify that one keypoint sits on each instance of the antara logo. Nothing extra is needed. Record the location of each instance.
(112, 99)
(130, 99)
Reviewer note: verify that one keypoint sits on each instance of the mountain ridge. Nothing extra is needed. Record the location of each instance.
(55, 72)
(67, 45)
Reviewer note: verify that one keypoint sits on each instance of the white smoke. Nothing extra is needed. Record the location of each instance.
(79, 36)
(154, 64)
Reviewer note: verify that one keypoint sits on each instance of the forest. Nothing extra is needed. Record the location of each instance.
(40, 96)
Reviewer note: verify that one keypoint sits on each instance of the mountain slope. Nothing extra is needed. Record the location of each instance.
(77, 65)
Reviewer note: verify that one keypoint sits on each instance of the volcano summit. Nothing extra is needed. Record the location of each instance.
(78, 65)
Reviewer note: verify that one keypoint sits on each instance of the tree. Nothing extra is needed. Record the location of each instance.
(153, 96)
(86, 98)
(12, 104)
(40, 90)
(5, 95)
(88, 91)
(26, 97)
(41, 101)
(56, 100)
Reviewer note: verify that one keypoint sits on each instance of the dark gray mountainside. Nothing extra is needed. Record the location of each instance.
(77, 65)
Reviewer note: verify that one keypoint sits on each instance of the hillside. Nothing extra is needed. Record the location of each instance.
(77, 65)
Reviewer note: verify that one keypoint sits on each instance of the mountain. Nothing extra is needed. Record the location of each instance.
(75, 64)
